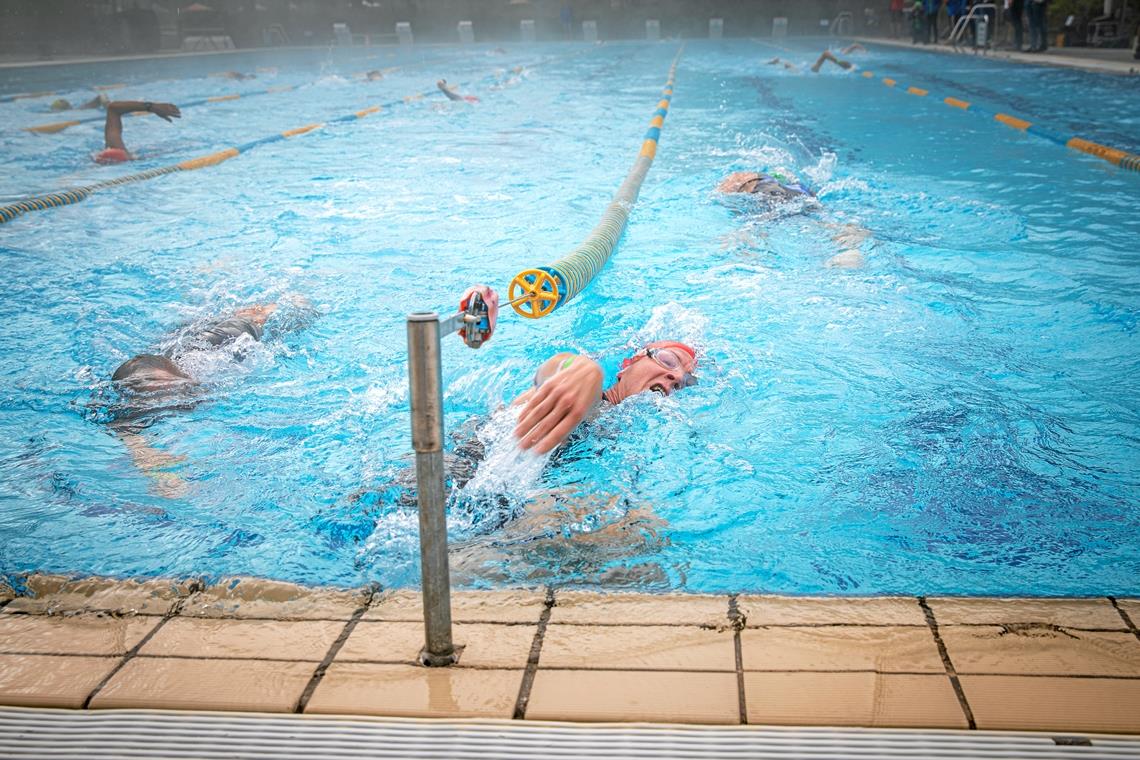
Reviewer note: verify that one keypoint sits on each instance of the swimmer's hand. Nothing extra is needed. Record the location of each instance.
(167, 111)
(552, 411)
(490, 297)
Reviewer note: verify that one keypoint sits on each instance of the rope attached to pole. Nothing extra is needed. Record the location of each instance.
(535, 293)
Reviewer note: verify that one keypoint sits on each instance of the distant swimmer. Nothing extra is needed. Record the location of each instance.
(62, 104)
(854, 47)
(786, 64)
(774, 188)
(827, 55)
(771, 186)
(374, 76)
(452, 94)
(114, 150)
(236, 75)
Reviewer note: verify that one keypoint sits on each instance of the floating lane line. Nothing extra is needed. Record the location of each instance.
(1115, 156)
(74, 195)
(535, 293)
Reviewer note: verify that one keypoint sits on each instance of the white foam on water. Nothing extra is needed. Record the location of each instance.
(506, 470)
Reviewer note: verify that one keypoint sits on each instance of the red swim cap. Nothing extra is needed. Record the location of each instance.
(112, 156)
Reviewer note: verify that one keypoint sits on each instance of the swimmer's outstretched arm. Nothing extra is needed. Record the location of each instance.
(568, 387)
(827, 55)
(854, 47)
(155, 464)
(450, 93)
(113, 128)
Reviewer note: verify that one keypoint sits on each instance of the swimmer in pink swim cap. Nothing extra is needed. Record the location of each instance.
(114, 150)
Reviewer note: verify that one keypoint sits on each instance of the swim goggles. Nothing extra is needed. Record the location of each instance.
(668, 358)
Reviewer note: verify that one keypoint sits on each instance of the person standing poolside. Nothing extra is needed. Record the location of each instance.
(568, 386)
(1016, 9)
(897, 18)
(452, 94)
(114, 150)
(1038, 25)
(930, 10)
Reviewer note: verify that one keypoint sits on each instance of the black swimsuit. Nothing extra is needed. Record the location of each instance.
(230, 330)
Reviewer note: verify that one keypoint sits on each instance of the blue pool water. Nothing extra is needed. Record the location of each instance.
(960, 415)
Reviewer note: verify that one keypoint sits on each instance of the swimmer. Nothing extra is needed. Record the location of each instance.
(149, 385)
(114, 150)
(786, 64)
(154, 374)
(235, 75)
(62, 104)
(568, 387)
(827, 55)
(374, 76)
(775, 188)
(854, 47)
(452, 94)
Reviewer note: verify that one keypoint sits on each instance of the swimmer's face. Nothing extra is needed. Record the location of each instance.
(661, 367)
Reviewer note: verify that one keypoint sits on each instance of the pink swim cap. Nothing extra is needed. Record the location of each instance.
(112, 156)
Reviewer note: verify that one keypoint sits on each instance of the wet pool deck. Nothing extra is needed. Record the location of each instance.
(1058, 665)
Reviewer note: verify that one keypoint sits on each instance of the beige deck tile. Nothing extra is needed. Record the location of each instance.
(484, 644)
(410, 690)
(640, 609)
(852, 699)
(634, 647)
(883, 649)
(178, 684)
(1054, 704)
(289, 640)
(1082, 613)
(634, 696)
(1041, 651)
(259, 598)
(466, 606)
(82, 634)
(787, 610)
(45, 681)
(54, 594)
(1132, 608)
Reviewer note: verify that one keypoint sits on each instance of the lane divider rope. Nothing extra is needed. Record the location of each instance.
(535, 293)
(1115, 156)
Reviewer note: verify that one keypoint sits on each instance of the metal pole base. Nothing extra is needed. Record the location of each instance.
(429, 660)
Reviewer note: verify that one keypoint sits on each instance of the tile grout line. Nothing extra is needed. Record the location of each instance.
(532, 661)
(334, 649)
(737, 620)
(171, 613)
(1125, 617)
(951, 673)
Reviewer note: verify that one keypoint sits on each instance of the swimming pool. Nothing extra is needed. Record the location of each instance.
(958, 416)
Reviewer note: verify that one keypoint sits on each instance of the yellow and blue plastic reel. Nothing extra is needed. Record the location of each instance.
(533, 293)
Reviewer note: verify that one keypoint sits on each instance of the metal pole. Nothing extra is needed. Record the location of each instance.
(426, 381)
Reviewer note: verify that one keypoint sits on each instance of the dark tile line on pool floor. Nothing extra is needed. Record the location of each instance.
(330, 655)
(1125, 617)
(947, 664)
(523, 698)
